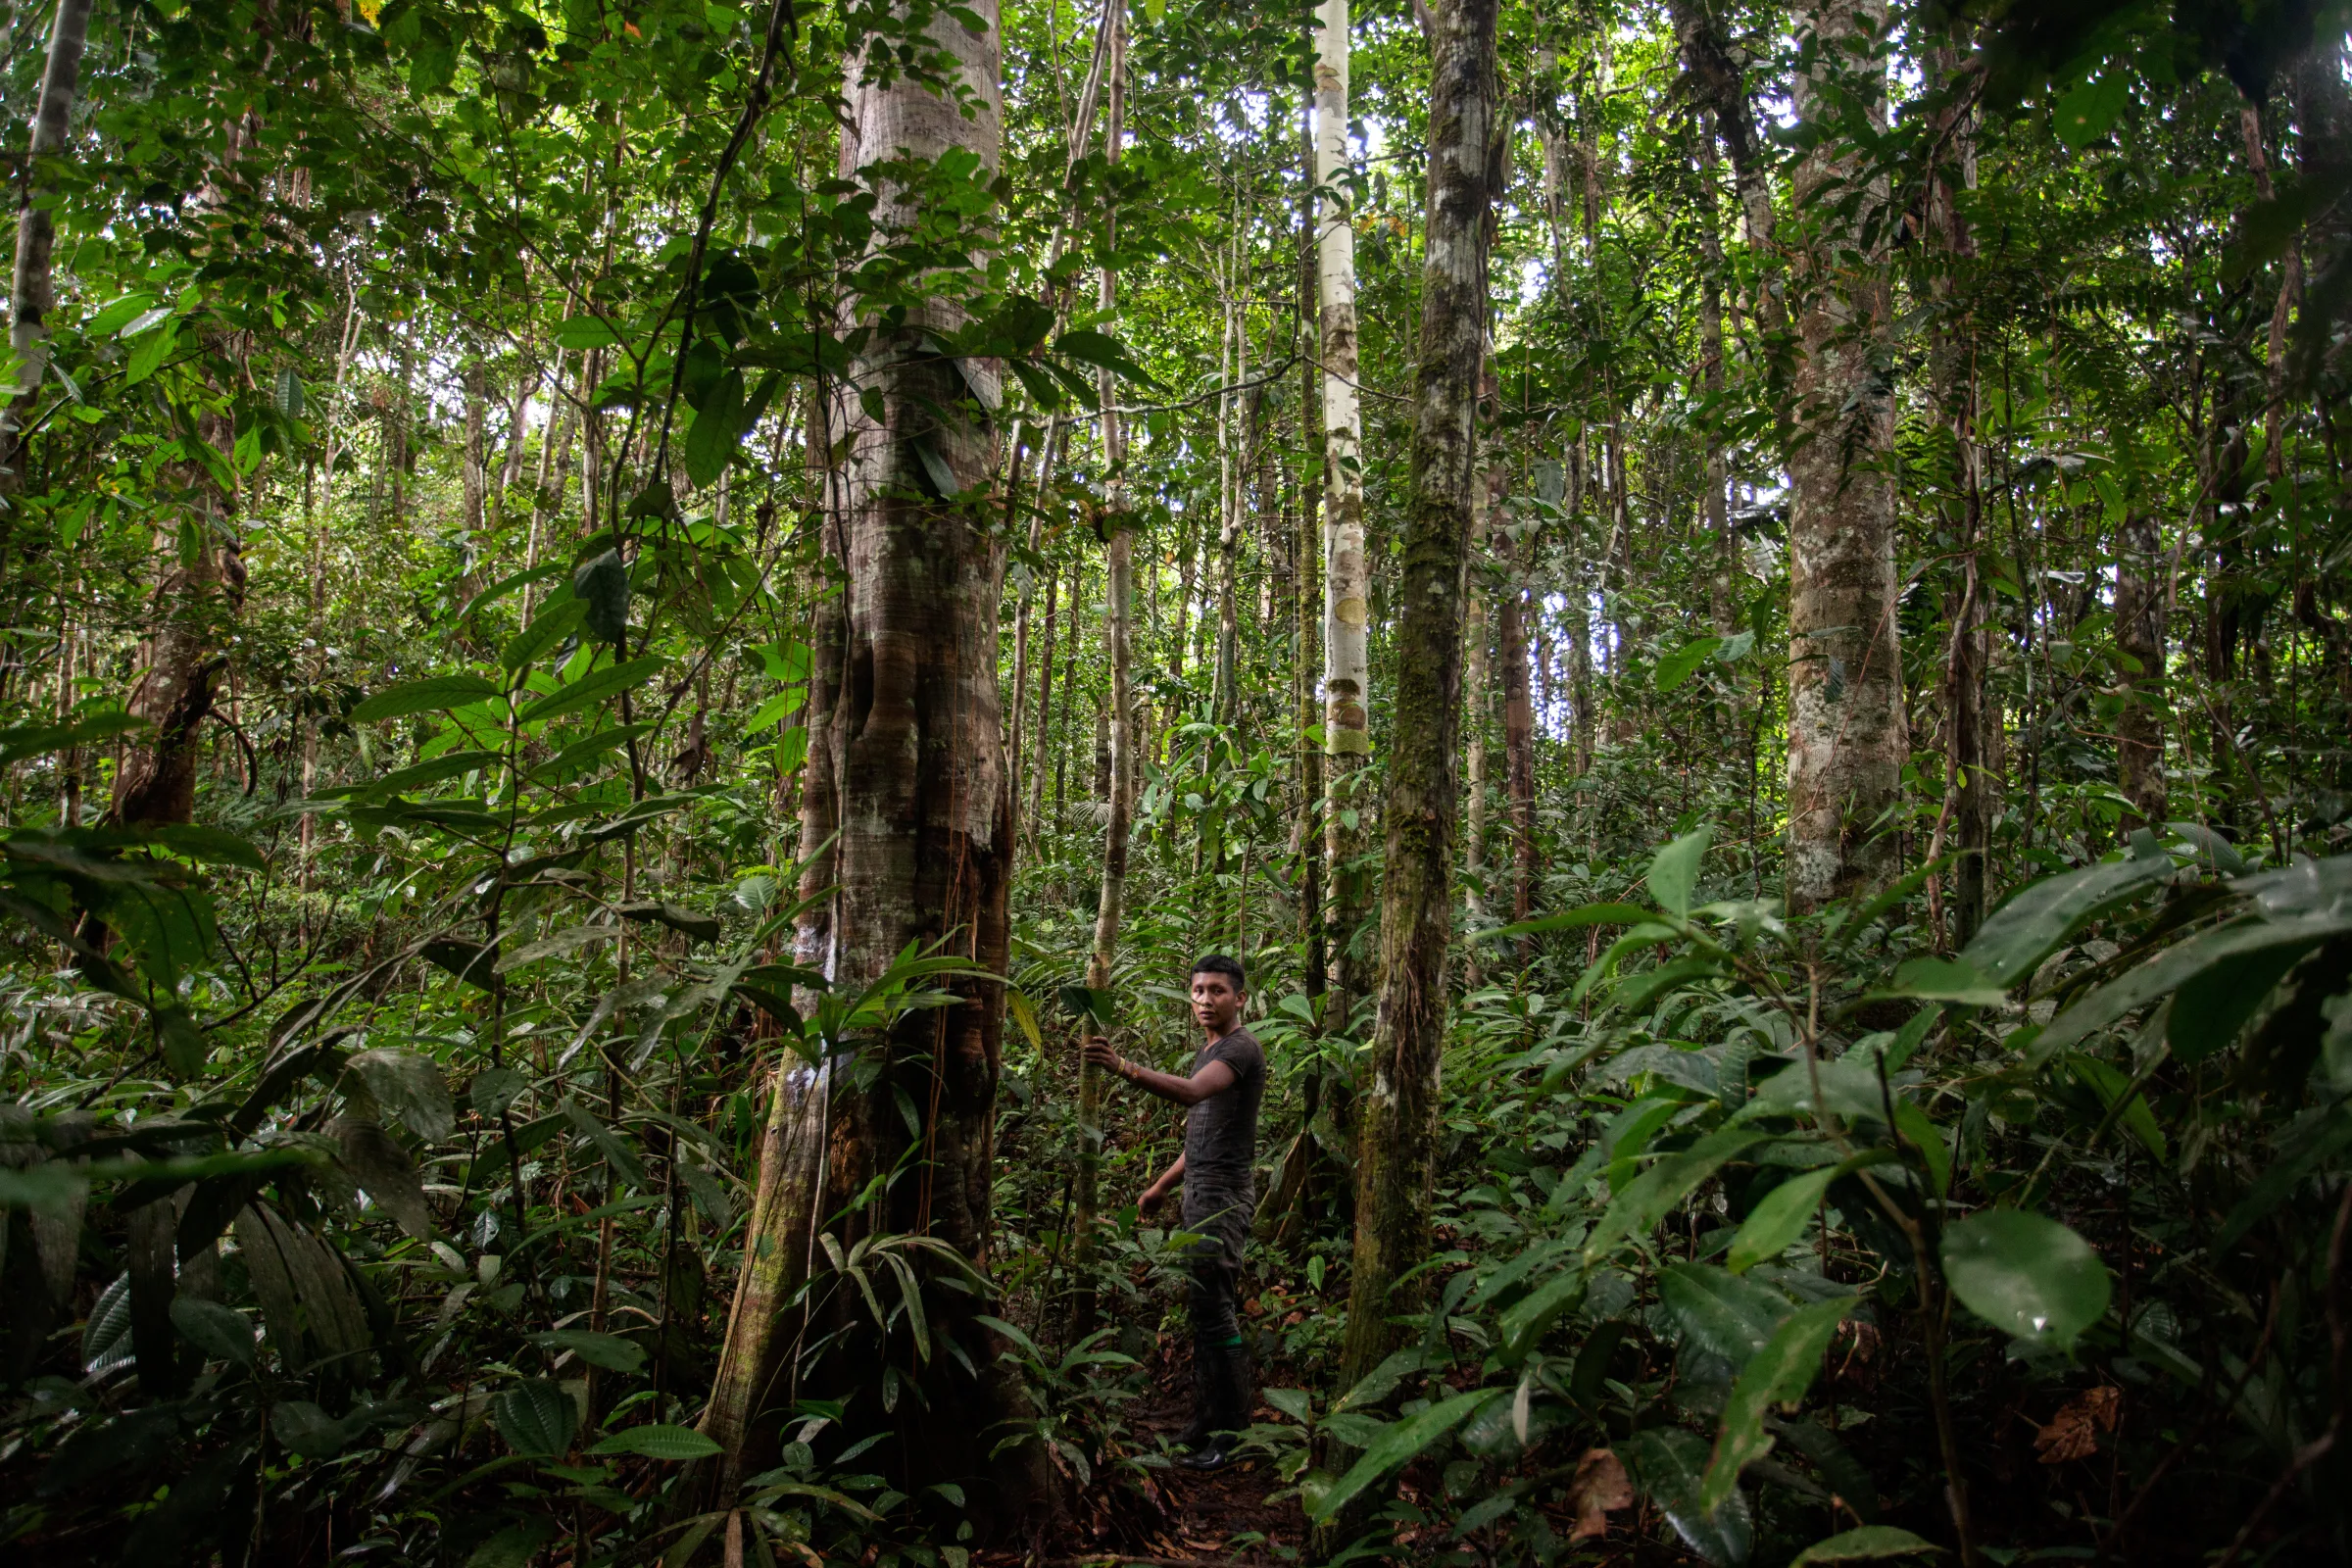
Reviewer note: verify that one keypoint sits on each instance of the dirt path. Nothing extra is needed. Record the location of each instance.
(1174, 1516)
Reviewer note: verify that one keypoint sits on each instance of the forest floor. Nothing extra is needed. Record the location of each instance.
(1172, 1516)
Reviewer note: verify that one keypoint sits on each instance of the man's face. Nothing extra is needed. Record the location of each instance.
(1216, 1002)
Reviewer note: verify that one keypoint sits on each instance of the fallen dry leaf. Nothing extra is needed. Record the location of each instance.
(1599, 1487)
(2073, 1432)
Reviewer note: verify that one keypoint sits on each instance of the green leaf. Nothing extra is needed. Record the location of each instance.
(1870, 1544)
(2084, 114)
(1673, 871)
(411, 1086)
(1589, 914)
(556, 943)
(584, 751)
(217, 845)
(585, 332)
(2026, 1274)
(1400, 1442)
(717, 428)
(2211, 1007)
(2159, 976)
(691, 922)
(435, 694)
(1778, 1374)
(1776, 1222)
(608, 1350)
(1528, 1319)
(516, 1545)
(1635, 1211)
(593, 687)
(1103, 351)
(2029, 927)
(450, 765)
(549, 626)
(32, 740)
(1719, 1311)
(537, 1418)
(658, 1443)
(601, 583)
(1947, 980)
(306, 1429)
(1670, 1464)
(1681, 665)
(220, 1332)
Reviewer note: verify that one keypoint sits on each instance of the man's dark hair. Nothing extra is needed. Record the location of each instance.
(1218, 963)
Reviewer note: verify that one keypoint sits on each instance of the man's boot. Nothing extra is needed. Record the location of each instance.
(1230, 1364)
(1205, 1397)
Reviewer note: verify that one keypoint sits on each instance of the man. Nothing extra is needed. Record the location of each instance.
(1220, 1147)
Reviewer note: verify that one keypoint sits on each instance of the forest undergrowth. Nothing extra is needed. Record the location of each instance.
(628, 621)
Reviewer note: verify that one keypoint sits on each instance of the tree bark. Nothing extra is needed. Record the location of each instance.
(2139, 583)
(1474, 720)
(32, 287)
(925, 815)
(1847, 733)
(1519, 739)
(1347, 584)
(1398, 1148)
(1118, 595)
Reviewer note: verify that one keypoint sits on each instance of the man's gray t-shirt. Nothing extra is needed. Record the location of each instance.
(1220, 1146)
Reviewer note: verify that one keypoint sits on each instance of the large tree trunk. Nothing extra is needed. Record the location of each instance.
(925, 838)
(1346, 584)
(32, 287)
(1519, 738)
(1847, 735)
(1118, 632)
(754, 1367)
(2139, 574)
(1397, 1151)
(1474, 718)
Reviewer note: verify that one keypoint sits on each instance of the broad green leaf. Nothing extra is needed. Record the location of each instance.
(449, 764)
(2110, 1084)
(1681, 665)
(435, 694)
(608, 1350)
(1570, 919)
(1947, 980)
(1635, 1211)
(2086, 114)
(1531, 1317)
(216, 845)
(556, 943)
(412, 1087)
(1776, 1222)
(582, 751)
(549, 627)
(601, 584)
(2211, 1007)
(306, 1429)
(2029, 927)
(1398, 1444)
(2309, 1143)
(1673, 871)
(2026, 1274)
(537, 1418)
(220, 1332)
(2160, 976)
(718, 427)
(1720, 1311)
(516, 1545)
(1778, 1374)
(594, 687)
(1870, 1544)
(585, 332)
(1670, 1465)
(658, 1443)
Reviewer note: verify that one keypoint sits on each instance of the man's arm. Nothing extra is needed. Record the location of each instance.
(1211, 1080)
